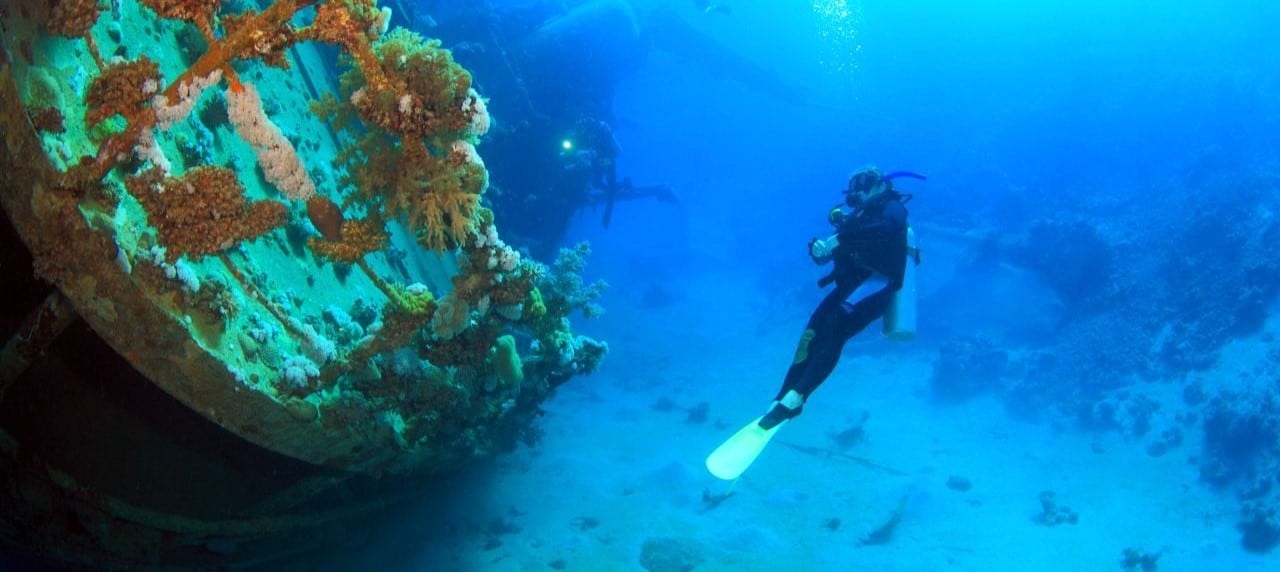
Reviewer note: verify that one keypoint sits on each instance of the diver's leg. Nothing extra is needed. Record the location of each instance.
(865, 311)
(827, 345)
(815, 358)
(611, 174)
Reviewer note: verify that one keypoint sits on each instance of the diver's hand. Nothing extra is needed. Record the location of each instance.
(820, 250)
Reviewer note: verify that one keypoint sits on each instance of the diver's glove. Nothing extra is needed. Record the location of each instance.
(820, 249)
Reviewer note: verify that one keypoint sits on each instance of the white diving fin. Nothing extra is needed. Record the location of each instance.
(735, 455)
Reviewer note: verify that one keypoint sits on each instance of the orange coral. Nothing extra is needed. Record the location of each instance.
(479, 280)
(431, 100)
(202, 212)
(270, 45)
(124, 88)
(49, 120)
(198, 12)
(352, 25)
(358, 238)
(74, 18)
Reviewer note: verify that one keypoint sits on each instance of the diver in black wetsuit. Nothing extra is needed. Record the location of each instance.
(871, 241)
(593, 151)
(595, 138)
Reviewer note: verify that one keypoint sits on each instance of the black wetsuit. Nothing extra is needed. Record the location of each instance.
(872, 241)
(596, 136)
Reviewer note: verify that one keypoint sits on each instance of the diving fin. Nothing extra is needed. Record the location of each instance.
(734, 456)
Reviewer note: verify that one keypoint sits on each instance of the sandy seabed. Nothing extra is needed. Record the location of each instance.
(615, 469)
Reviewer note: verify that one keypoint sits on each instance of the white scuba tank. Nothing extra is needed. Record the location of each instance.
(899, 321)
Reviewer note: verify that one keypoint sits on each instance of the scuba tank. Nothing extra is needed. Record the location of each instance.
(899, 322)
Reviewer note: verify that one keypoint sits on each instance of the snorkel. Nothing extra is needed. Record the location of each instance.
(908, 174)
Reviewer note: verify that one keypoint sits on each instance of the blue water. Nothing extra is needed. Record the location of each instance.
(1098, 230)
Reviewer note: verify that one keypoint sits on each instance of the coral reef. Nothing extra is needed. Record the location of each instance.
(563, 291)
(1241, 436)
(1093, 356)
(1240, 451)
(1053, 514)
(506, 360)
(1135, 559)
(49, 120)
(1218, 278)
(1259, 527)
(1073, 258)
(356, 238)
(1154, 293)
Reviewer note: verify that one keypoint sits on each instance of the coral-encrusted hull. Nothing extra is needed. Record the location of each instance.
(308, 265)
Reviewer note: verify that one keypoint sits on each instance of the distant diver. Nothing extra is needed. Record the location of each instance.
(871, 242)
(548, 64)
(594, 149)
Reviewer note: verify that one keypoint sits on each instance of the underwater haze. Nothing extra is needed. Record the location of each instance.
(1070, 361)
(1095, 380)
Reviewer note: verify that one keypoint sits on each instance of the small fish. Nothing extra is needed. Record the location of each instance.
(712, 500)
(884, 533)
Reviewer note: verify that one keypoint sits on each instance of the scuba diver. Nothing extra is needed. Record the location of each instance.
(872, 242)
(594, 150)
(595, 138)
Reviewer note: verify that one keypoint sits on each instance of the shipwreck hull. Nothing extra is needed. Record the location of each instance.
(123, 443)
(235, 352)
(82, 264)
(100, 468)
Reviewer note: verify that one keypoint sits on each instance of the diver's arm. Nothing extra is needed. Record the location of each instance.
(820, 249)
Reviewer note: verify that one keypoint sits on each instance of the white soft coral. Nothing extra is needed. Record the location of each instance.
(279, 160)
(480, 114)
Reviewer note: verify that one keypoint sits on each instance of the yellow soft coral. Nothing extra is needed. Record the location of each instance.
(438, 196)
